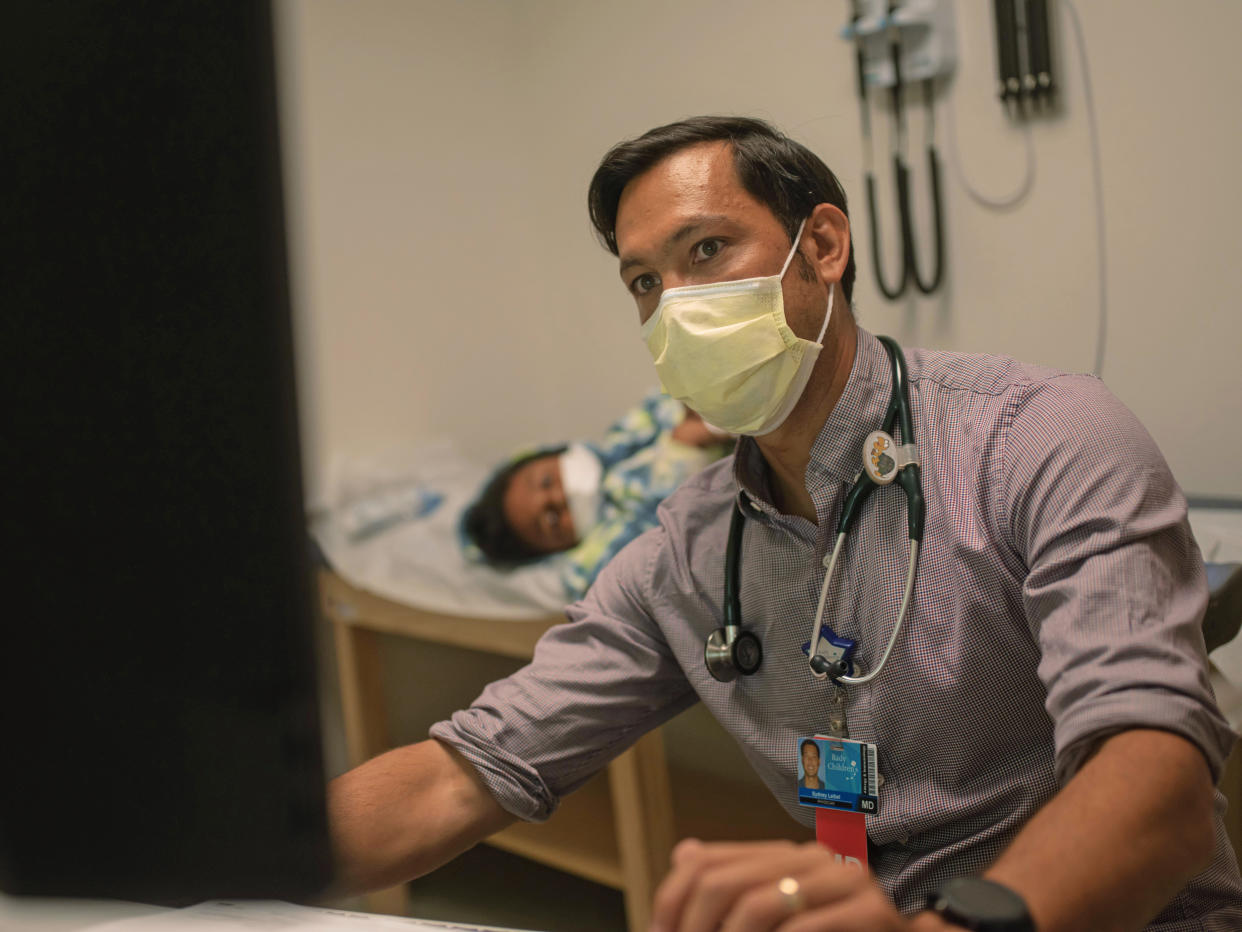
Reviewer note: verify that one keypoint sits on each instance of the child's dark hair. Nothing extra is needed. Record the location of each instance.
(484, 521)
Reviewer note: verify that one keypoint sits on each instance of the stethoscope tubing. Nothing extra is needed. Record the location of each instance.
(911, 574)
(898, 415)
(722, 649)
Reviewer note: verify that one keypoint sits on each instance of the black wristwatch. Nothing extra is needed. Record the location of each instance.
(981, 906)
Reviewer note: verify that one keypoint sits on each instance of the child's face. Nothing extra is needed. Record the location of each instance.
(536, 508)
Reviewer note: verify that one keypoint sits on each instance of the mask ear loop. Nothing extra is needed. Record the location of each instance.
(832, 289)
(793, 251)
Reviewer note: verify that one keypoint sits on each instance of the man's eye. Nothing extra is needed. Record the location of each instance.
(643, 283)
(706, 249)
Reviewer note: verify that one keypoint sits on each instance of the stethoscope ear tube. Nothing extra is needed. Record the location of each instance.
(910, 480)
(916, 504)
(733, 572)
(899, 404)
(731, 651)
(911, 573)
(910, 477)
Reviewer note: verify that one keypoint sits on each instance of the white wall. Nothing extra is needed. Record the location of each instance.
(448, 283)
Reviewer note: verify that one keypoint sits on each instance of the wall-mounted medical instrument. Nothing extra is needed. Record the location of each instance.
(732, 650)
(898, 42)
(1023, 52)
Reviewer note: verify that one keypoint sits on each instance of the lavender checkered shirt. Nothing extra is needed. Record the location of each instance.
(1058, 600)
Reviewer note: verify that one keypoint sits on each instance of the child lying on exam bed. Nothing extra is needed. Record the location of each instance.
(585, 500)
(435, 530)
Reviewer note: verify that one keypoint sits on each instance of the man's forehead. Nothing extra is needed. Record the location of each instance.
(699, 179)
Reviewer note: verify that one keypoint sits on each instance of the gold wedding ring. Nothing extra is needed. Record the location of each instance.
(791, 894)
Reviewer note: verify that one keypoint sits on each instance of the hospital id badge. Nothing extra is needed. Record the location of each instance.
(838, 773)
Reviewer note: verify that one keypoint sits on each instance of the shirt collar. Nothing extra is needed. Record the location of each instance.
(836, 455)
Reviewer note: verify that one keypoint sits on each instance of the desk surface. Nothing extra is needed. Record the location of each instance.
(20, 914)
(30, 914)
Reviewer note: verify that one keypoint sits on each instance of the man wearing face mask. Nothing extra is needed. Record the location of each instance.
(1047, 697)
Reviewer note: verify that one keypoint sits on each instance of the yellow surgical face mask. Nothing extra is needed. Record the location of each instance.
(726, 351)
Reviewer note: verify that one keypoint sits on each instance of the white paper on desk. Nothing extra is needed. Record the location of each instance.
(284, 917)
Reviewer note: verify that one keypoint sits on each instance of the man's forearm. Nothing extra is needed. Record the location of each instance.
(1122, 837)
(405, 813)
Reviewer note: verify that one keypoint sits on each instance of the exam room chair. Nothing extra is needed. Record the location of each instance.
(1223, 618)
(1221, 624)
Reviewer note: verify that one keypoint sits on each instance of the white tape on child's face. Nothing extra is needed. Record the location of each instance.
(581, 476)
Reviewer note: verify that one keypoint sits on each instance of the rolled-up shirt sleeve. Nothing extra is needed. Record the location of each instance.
(1115, 591)
(595, 685)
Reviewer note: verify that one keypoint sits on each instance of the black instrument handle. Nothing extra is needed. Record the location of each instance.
(928, 287)
(892, 294)
(1039, 46)
(1007, 49)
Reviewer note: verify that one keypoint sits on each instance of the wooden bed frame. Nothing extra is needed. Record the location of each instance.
(616, 830)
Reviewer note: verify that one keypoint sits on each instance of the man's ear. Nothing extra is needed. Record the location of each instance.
(826, 241)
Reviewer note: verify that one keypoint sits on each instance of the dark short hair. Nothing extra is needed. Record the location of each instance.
(484, 521)
(785, 176)
(812, 742)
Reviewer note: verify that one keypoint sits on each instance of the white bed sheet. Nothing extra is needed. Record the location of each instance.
(420, 562)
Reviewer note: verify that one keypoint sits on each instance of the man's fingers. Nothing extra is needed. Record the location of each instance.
(708, 879)
(692, 860)
(717, 888)
(769, 905)
(863, 913)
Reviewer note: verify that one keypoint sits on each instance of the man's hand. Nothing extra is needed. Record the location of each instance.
(734, 887)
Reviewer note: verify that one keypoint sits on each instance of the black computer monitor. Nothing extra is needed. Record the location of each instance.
(159, 736)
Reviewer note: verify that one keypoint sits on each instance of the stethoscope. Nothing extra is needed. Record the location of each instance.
(901, 172)
(731, 651)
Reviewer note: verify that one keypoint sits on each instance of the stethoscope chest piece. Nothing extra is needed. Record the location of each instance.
(732, 652)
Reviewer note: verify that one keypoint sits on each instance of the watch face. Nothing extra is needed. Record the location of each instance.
(982, 905)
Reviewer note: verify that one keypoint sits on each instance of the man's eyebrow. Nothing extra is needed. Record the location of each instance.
(686, 230)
